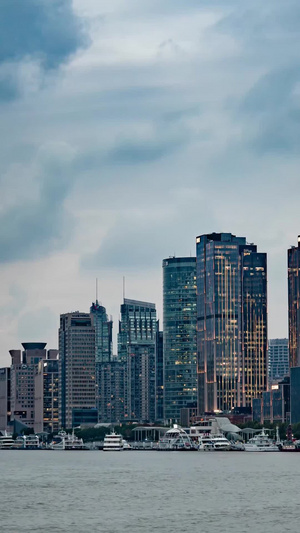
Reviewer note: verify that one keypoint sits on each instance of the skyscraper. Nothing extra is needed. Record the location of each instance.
(136, 348)
(46, 394)
(278, 359)
(294, 303)
(111, 391)
(179, 334)
(103, 333)
(77, 384)
(231, 322)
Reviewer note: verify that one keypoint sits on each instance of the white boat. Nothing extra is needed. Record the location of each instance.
(214, 443)
(6, 442)
(67, 441)
(261, 443)
(176, 439)
(113, 443)
(27, 442)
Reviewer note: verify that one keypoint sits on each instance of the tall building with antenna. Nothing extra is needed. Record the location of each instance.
(136, 349)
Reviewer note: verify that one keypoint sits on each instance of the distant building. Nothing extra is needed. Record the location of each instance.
(295, 394)
(294, 303)
(103, 333)
(23, 369)
(136, 348)
(231, 322)
(111, 383)
(278, 359)
(4, 398)
(46, 394)
(274, 405)
(159, 375)
(179, 335)
(77, 368)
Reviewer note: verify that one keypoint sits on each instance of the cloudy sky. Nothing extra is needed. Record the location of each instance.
(128, 127)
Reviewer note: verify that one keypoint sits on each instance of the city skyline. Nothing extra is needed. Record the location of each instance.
(123, 287)
(124, 139)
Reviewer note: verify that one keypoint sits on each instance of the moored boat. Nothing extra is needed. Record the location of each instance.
(6, 442)
(113, 443)
(261, 443)
(176, 439)
(66, 441)
(214, 443)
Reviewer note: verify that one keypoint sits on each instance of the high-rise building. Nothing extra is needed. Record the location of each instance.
(46, 394)
(278, 359)
(136, 348)
(4, 398)
(231, 322)
(103, 333)
(294, 303)
(77, 383)
(111, 391)
(179, 334)
(23, 369)
(104, 371)
(159, 375)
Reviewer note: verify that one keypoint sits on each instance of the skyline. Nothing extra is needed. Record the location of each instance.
(128, 130)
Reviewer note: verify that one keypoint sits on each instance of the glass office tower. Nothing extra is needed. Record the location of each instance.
(103, 333)
(137, 349)
(179, 334)
(231, 322)
(294, 303)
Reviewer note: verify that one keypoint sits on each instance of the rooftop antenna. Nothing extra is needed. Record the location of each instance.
(123, 287)
(96, 290)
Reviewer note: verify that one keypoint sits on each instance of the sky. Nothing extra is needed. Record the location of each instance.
(129, 127)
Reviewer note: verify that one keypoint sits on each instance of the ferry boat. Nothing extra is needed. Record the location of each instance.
(27, 442)
(214, 443)
(6, 442)
(261, 443)
(66, 441)
(176, 439)
(113, 443)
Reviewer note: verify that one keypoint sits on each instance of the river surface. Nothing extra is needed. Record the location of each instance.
(148, 491)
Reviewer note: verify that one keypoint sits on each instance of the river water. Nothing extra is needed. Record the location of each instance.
(137, 491)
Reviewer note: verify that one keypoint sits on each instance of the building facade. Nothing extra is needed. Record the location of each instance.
(111, 395)
(295, 394)
(179, 335)
(103, 333)
(278, 359)
(23, 367)
(137, 349)
(5, 410)
(46, 394)
(294, 303)
(231, 322)
(159, 375)
(77, 368)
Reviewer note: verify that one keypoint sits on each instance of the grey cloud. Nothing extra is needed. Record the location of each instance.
(128, 152)
(49, 31)
(37, 325)
(33, 30)
(34, 228)
(139, 240)
(273, 111)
